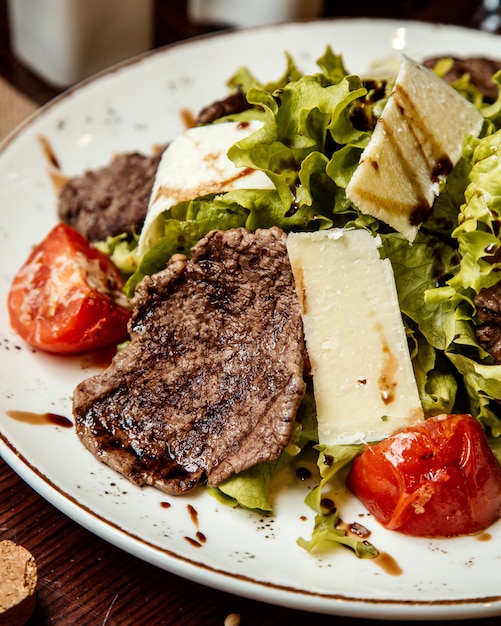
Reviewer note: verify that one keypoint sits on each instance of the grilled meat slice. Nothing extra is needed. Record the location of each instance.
(480, 69)
(110, 200)
(212, 379)
(234, 103)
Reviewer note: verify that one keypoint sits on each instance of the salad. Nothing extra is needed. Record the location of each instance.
(452, 259)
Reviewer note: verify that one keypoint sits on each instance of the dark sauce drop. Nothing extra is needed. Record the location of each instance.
(193, 542)
(165, 505)
(188, 118)
(193, 514)
(58, 179)
(303, 473)
(442, 168)
(388, 564)
(39, 419)
(49, 153)
(327, 505)
(418, 215)
(359, 530)
(294, 207)
(328, 460)
(201, 537)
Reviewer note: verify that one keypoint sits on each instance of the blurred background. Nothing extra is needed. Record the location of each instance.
(173, 20)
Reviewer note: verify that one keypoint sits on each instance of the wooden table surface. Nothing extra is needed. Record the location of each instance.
(84, 580)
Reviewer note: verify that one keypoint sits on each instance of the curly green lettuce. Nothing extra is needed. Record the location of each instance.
(314, 129)
(308, 146)
(477, 237)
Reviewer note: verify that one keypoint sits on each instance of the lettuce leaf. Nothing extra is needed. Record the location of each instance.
(331, 460)
(308, 146)
(417, 267)
(181, 227)
(300, 120)
(462, 84)
(492, 112)
(326, 534)
(243, 79)
(478, 243)
(314, 129)
(483, 386)
(477, 232)
(250, 489)
(122, 249)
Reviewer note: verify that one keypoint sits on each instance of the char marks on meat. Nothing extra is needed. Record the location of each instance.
(212, 379)
(110, 200)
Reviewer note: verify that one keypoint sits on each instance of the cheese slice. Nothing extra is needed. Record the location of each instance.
(196, 164)
(363, 380)
(416, 142)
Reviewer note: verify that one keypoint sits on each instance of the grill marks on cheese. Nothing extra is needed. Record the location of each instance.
(416, 142)
(363, 379)
(423, 150)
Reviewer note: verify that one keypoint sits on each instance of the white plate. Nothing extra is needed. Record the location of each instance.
(137, 106)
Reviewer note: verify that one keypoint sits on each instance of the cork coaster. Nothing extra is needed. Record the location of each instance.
(18, 581)
(14, 107)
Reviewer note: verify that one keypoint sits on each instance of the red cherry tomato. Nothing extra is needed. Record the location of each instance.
(436, 480)
(67, 297)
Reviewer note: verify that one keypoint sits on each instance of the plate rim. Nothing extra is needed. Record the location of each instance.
(191, 569)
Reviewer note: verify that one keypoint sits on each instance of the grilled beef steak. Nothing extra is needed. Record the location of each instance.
(110, 200)
(212, 379)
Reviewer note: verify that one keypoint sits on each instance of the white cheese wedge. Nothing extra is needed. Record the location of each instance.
(196, 164)
(363, 380)
(416, 142)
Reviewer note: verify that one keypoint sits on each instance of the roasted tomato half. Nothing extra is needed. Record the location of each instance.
(440, 479)
(67, 297)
